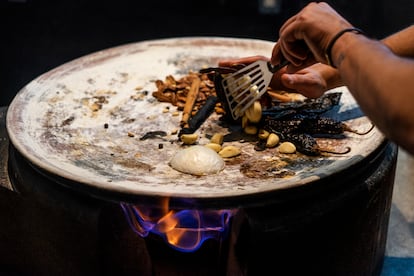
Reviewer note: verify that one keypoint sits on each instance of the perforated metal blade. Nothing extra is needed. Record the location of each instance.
(243, 87)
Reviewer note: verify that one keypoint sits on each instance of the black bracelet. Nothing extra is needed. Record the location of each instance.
(334, 39)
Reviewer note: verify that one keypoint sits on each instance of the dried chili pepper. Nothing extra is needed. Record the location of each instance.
(308, 106)
(327, 126)
(307, 144)
(303, 142)
(291, 125)
(314, 125)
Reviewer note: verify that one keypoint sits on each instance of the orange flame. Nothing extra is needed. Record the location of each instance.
(184, 230)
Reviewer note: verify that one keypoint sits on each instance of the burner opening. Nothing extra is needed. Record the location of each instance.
(183, 230)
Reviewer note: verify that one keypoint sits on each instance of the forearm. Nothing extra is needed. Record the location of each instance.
(380, 75)
(402, 42)
(381, 82)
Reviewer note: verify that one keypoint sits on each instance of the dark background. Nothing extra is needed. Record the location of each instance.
(38, 35)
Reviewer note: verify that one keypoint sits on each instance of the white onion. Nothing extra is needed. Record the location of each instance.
(197, 160)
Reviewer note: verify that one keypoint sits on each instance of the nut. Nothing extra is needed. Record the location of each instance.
(214, 146)
(217, 138)
(189, 139)
(254, 112)
(263, 134)
(254, 90)
(272, 140)
(229, 151)
(287, 147)
(244, 82)
(244, 121)
(252, 130)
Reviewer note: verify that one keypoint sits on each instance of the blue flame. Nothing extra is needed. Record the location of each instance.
(184, 230)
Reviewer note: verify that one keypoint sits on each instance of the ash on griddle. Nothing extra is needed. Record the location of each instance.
(266, 169)
(133, 164)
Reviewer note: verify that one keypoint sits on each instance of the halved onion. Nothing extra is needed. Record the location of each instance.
(197, 160)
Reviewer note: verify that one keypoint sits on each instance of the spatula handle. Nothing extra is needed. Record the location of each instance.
(276, 68)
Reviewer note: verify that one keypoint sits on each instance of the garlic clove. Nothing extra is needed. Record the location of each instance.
(197, 160)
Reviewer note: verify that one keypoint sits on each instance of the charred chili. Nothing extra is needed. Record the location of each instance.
(307, 144)
(314, 125)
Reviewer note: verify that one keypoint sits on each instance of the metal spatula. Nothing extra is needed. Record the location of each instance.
(243, 87)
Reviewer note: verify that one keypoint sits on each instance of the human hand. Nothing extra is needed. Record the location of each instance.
(311, 81)
(239, 61)
(303, 38)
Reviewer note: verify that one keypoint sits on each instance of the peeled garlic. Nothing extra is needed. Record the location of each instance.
(197, 160)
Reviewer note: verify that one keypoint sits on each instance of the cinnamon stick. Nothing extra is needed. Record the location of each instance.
(190, 101)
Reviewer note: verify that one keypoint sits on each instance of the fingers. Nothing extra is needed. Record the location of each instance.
(277, 55)
(280, 53)
(291, 44)
(243, 60)
(287, 23)
(304, 64)
(308, 85)
(304, 36)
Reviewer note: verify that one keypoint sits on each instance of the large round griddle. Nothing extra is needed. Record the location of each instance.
(53, 124)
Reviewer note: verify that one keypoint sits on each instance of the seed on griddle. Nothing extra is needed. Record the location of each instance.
(160, 146)
(106, 125)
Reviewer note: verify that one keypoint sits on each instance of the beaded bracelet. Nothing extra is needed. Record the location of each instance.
(334, 39)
